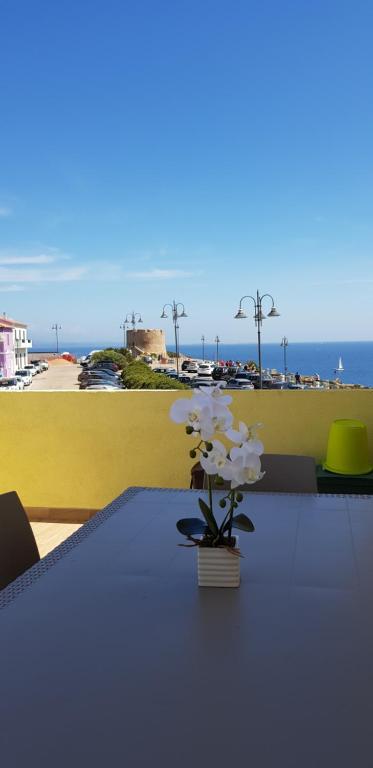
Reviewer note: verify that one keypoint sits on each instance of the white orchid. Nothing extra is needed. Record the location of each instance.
(204, 413)
(193, 413)
(216, 459)
(244, 468)
(214, 393)
(246, 436)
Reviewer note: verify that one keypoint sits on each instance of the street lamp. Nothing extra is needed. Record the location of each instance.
(123, 328)
(217, 342)
(203, 347)
(177, 310)
(133, 318)
(259, 316)
(56, 328)
(284, 344)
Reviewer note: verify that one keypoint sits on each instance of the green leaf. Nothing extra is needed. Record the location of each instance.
(243, 522)
(209, 517)
(191, 525)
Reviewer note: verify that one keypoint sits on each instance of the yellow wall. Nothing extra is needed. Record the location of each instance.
(81, 449)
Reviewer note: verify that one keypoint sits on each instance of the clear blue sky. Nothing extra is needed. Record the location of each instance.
(188, 149)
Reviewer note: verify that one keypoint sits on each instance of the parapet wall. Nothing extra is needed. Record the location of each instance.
(81, 449)
(150, 340)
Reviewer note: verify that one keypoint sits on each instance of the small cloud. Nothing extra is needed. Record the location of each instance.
(11, 288)
(5, 211)
(47, 266)
(40, 259)
(160, 274)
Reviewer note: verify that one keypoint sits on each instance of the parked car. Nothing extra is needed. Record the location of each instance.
(26, 376)
(192, 366)
(21, 383)
(219, 372)
(239, 384)
(40, 365)
(9, 384)
(102, 387)
(32, 368)
(101, 380)
(205, 369)
(97, 372)
(202, 381)
(107, 364)
(163, 369)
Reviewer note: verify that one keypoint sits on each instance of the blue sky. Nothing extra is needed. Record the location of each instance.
(195, 150)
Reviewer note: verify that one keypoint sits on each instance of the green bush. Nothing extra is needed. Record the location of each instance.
(137, 375)
(112, 356)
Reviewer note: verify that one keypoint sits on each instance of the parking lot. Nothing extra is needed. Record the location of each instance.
(60, 375)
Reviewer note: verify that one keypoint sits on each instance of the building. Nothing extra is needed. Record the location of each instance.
(14, 346)
(21, 344)
(7, 356)
(150, 341)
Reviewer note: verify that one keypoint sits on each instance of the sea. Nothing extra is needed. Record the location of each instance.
(307, 358)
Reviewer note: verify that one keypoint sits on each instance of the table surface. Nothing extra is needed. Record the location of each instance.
(111, 655)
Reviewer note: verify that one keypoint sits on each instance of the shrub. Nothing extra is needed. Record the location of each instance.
(137, 375)
(110, 355)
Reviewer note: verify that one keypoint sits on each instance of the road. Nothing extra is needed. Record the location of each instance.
(60, 375)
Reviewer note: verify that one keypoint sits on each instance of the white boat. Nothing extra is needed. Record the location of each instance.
(340, 366)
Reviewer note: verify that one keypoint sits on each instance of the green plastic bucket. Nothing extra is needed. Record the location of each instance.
(348, 452)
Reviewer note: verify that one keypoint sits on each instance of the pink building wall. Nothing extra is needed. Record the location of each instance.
(7, 357)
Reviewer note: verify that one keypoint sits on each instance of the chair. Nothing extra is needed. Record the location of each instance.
(284, 474)
(18, 550)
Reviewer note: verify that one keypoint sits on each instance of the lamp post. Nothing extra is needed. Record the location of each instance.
(133, 318)
(123, 328)
(203, 347)
(284, 345)
(177, 310)
(217, 342)
(56, 328)
(259, 316)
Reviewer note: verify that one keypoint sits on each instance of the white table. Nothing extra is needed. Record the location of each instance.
(112, 657)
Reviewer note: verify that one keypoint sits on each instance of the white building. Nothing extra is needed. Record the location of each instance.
(21, 344)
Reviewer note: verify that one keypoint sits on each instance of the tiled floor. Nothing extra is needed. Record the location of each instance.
(49, 535)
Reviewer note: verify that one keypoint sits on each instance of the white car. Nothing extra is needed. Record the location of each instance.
(31, 369)
(193, 366)
(25, 375)
(21, 383)
(205, 369)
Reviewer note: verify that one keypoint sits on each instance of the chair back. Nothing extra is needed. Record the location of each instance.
(18, 550)
(283, 474)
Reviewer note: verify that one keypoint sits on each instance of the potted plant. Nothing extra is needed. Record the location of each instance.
(205, 414)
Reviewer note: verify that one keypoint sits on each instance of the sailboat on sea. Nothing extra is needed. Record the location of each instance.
(340, 368)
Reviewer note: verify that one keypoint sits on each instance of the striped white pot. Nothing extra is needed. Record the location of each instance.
(217, 567)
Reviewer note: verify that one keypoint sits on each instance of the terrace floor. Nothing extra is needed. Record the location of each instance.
(50, 535)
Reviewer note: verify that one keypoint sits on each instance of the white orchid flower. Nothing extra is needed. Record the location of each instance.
(214, 393)
(194, 414)
(215, 461)
(247, 437)
(245, 468)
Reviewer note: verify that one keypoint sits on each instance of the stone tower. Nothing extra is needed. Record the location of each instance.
(146, 342)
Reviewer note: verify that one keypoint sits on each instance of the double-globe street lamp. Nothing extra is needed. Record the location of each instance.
(131, 318)
(203, 347)
(259, 316)
(217, 342)
(177, 310)
(284, 345)
(56, 328)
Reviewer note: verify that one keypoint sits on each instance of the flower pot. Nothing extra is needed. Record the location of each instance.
(218, 567)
